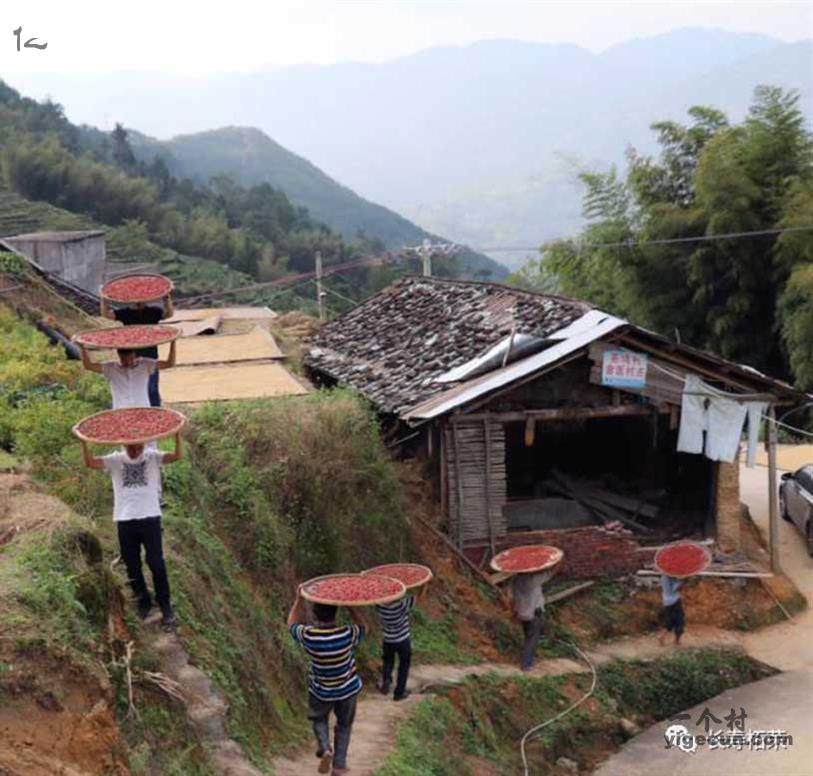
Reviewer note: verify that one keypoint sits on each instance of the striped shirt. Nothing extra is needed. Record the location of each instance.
(394, 619)
(333, 675)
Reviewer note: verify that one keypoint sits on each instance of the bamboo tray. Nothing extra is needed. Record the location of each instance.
(107, 293)
(133, 437)
(162, 334)
(398, 591)
(390, 569)
(703, 557)
(554, 557)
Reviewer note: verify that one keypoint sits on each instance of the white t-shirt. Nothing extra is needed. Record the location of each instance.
(136, 484)
(129, 385)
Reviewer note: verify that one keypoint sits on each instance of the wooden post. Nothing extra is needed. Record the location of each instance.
(487, 430)
(773, 495)
(320, 295)
(458, 477)
(530, 431)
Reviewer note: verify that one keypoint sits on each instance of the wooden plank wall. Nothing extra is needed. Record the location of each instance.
(478, 494)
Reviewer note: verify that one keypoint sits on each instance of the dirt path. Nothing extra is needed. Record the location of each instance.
(780, 702)
(205, 706)
(377, 717)
(785, 646)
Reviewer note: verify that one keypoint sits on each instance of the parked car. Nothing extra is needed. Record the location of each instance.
(796, 501)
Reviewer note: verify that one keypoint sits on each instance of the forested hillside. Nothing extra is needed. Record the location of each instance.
(251, 158)
(748, 296)
(476, 142)
(253, 233)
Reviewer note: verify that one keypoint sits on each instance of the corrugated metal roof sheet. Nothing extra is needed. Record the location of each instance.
(462, 394)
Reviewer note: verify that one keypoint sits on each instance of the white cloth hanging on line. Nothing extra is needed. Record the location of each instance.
(694, 419)
(756, 411)
(711, 422)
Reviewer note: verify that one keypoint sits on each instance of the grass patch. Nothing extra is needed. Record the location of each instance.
(481, 722)
(421, 747)
(436, 640)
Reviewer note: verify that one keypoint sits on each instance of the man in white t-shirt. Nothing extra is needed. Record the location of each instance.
(129, 378)
(136, 475)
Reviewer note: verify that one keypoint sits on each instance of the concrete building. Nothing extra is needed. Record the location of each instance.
(76, 257)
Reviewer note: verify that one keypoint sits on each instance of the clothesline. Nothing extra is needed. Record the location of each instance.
(682, 379)
(715, 394)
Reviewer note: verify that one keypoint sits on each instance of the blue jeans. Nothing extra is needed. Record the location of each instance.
(152, 389)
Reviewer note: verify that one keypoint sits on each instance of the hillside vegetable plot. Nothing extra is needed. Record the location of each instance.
(526, 559)
(682, 559)
(127, 337)
(137, 288)
(353, 590)
(411, 574)
(134, 425)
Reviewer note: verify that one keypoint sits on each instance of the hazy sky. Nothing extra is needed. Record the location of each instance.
(202, 37)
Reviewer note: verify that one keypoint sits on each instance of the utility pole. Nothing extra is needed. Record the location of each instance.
(426, 254)
(427, 249)
(320, 294)
(773, 499)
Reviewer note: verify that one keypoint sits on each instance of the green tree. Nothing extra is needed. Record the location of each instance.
(638, 257)
(122, 153)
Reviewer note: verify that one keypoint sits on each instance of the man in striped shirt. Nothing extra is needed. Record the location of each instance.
(395, 635)
(333, 683)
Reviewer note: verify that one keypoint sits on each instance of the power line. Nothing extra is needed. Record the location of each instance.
(344, 298)
(635, 244)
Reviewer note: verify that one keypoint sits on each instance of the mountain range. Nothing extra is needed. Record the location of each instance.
(481, 143)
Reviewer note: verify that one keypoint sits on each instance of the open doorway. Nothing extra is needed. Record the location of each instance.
(573, 473)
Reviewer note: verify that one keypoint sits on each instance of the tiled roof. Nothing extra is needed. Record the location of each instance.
(393, 346)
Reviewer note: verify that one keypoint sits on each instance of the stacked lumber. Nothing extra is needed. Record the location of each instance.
(606, 505)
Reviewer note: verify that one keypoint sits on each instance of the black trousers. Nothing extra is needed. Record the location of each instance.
(132, 535)
(674, 618)
(404, 651)
(153, 391)
(532, 630)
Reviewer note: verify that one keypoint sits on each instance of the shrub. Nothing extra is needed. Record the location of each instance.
(306, 481)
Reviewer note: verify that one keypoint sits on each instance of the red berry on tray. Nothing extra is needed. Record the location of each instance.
(353, 589)
(129, 426)
(526, 559)
(137, 288)
(411, 574)
(682, 559)
(127, 337)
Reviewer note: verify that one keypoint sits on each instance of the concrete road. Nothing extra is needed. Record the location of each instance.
(783, 702)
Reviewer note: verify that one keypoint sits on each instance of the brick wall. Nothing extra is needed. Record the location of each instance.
(591, 551)
(727, 506)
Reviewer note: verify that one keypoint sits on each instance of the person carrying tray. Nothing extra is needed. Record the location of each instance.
(136, 474)
(674, 619)
(396, 640)
(333, 682)
(130, 379)
(529, 608)
(142, 313)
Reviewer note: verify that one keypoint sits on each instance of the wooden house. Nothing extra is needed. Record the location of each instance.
(542, 417)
